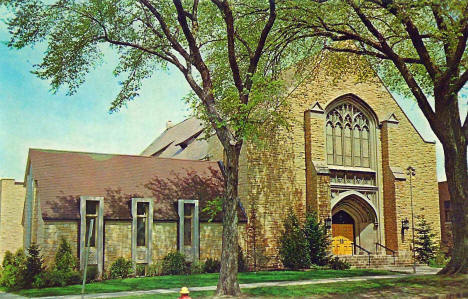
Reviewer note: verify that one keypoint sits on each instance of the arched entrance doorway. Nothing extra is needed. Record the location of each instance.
(354, 220)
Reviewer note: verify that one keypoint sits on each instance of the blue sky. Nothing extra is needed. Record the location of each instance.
(32, 117)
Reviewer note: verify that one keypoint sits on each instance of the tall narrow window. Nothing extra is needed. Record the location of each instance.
(142, 223)
(188, 217)
(347, 146)
(365, 147)
(91, 214)
(348, 136)
(329, 143)
(338, 146)
(357, 146)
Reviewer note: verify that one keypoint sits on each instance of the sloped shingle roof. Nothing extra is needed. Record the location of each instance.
(168, 144)
(62, 177)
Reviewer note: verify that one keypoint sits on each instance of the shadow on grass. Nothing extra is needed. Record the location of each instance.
(211, 279)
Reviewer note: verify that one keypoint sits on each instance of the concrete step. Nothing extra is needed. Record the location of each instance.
(376, 261)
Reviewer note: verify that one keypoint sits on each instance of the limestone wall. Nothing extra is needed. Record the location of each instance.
(51, 232)
(117, 241)
(12, 196)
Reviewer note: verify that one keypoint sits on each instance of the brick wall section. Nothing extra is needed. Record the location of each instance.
(446, 224)
(51, 232)
(389, 203)
(117, 241)
(164, 239)
(12, 196)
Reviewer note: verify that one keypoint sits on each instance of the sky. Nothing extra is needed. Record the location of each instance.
(31, 116)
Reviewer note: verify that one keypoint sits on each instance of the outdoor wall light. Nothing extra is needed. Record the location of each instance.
(376, 224)
(404, 224)
(328, 223)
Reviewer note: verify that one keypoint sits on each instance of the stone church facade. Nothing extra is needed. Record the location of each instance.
(344, 156)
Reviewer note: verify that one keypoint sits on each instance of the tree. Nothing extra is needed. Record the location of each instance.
(317, 238)
(294, 247)
(34, 264)
(217, 45)
(424, 243)
(64, 259)
(419, 49)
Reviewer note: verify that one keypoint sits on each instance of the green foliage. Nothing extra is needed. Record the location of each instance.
(121, 268)
(7, 259)
(212, 265)
(335, 263)
(213, 207)
(56, 278)
(140, 270)
(174, 263)
(14, 272)
(91, 273)
(34, 264)
(154, 269)
(424, 241)
(64, 259)
(241, 264)
(294, 247)
(439, 260)
(318, 241)
(197, 267)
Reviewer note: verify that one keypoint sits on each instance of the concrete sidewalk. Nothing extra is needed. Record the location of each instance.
(420, 271)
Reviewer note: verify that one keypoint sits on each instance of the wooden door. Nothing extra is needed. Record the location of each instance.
(343, 236)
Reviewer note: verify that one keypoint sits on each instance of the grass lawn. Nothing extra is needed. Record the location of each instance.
(176, 281)
(428, 285)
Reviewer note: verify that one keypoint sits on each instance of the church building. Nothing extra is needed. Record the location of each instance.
(350, 154)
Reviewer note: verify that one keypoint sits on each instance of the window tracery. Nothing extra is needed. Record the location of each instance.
(348, 137)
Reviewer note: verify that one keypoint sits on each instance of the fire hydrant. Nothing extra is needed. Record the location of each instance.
(184, 293)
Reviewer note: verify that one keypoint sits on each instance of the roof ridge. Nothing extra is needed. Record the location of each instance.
(124, 155)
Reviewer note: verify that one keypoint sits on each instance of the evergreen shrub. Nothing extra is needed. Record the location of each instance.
(424, 241)
(318, 241)
(212, 265)
(121, 268)
(294, 247)
(174, 264)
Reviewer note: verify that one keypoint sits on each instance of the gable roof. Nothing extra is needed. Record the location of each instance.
(63, 176)
(180, 141)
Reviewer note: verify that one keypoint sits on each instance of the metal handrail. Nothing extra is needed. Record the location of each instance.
(377, 244)
(363, 249)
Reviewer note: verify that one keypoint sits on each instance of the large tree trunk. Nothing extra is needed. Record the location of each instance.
(454, 143)
(227, 283)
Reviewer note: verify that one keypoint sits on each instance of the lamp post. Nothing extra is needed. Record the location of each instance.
(412, 172)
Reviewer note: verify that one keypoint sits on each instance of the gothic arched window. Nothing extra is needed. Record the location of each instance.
(348, 137)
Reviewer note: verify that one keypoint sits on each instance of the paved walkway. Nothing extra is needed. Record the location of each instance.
(420, 271)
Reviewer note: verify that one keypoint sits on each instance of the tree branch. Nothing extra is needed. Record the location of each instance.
(370, 53)
(229, 21)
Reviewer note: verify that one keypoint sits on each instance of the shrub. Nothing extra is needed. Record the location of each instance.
(14, 271)
(64, 259)
(241, 265)
(174, 264)
(317, 239)
(212, 265)
(91, 273)
(155, 269)
(294, 248)
(34, 264)
(197, 267)
(8, 259)
(336, 264)
(140, 270)
(424, 244)
(439, 260)
(121, 268)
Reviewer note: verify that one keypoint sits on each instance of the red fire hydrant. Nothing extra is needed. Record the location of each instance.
(184, 293)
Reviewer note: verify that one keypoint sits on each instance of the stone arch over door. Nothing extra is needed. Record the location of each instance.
(364, 215)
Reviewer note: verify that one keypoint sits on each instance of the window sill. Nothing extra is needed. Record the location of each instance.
(349, 168)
